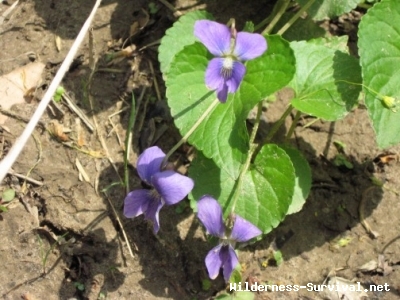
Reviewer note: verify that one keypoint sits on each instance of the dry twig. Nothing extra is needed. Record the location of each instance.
(9, 160)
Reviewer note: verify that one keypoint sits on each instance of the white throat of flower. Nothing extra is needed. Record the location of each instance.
(227, 67)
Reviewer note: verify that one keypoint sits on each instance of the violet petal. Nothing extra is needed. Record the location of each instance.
(230, 261)
(215, 36)
(222, 93)
(249, 45)
(213, 261)
(172, 186)
(243, 230)
(210, 214)
(237, 76)
(149, 163)
(136, 202)
(152, 212)
(214, 78)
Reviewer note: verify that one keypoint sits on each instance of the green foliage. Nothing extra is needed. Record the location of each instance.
(206, 284)
(302, 29)
(322, 9)
(243, 295)
(322, 68)
(223, 135)
(278, 257)
(58, 94)
(79, 286)
(379, 49)
(236, 275)
(267, 189)
(179, 36)
(248, 27)
(341, 160)
(326, 81)
(153, 8)
(8, 195)
(302, 181)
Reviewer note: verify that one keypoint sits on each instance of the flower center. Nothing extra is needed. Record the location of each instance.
(226, 241)
(227, 67)
(154, 194)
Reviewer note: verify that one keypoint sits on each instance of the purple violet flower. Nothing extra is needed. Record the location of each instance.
(225, 72)
(168, 187)
(223, 255)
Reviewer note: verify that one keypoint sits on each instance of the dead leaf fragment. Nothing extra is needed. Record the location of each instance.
(18, 84)
(369, 266)
(57, 131)
(338, 288)
(57, 40)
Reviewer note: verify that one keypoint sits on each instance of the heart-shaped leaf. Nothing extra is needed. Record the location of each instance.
(266, 191)
(179, 36)
(379, 48)
(322, 9)
(321, 83)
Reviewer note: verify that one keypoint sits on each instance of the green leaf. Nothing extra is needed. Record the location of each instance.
(341, 160)
(179, 36)
(319, 83)
(322, 9)
(242, 295)
(223, 134)
(266, 192)
(302, 29)
(379, 49)
(303, 179)
(3, 208)
(236, 275)
(248, 26)
(206, 284)
(224, 297)
(334, 42)
(58, 94)
(8, 195)
(278, 257)
(79, 286)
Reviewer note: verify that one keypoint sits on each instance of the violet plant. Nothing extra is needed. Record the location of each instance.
(215, 76)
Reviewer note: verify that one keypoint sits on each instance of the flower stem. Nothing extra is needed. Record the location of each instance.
(250, 153)
(293, 126)
(277, 13)
(274, 129)
(295, 17)
(128, 142)
(191, 130)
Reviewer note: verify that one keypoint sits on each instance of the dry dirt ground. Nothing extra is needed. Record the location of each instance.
(62, 240)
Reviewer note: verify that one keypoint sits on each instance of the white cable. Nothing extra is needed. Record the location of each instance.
(12, 155)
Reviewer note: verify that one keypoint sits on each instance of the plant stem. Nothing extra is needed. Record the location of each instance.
(128, 141)
(274, 129)
(191, 130)
(250, 153)
(278, 11)
(293, 126)
(295, 17)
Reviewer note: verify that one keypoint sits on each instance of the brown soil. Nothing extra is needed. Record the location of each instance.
(63, 235)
